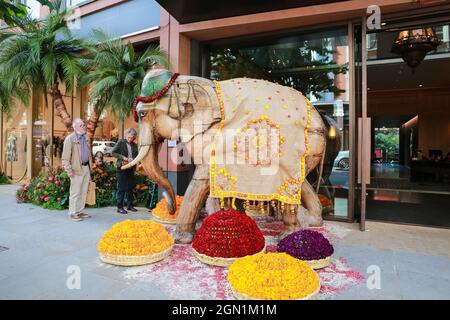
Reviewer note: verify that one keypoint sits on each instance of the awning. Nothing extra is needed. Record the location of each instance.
(186, 11)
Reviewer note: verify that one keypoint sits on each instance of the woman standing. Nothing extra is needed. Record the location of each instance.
(125, 151)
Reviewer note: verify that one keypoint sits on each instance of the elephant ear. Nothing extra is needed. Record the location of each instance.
(194, 102)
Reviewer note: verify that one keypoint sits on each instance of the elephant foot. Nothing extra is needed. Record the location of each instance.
(183, 237)
(315, 221)
(305, 219)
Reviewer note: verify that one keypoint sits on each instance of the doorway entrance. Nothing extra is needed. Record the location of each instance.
(410, 133)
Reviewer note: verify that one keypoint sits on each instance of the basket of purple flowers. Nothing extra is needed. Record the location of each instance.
(309, 246)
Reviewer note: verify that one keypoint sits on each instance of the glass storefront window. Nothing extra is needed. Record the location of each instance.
(315, 63)
(42, 136)
(15, 142)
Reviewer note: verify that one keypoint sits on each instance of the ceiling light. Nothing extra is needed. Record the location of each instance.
(414, 44)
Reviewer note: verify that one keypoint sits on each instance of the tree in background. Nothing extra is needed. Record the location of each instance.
(387, 139)
(42, 54)
(116, 73)
(306, 67)
(10, 10)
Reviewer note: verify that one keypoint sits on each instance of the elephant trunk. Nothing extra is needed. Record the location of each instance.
(155, 173)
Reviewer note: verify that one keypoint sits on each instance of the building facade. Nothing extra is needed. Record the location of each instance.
(393, 121)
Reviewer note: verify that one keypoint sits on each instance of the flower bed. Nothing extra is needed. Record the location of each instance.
(308, 245)
(273, 276)
(161, 214)
(135, 242)
(51, 189)
(225, 236)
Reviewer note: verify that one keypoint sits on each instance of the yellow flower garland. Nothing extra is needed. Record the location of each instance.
(135, 238)
(273, 276)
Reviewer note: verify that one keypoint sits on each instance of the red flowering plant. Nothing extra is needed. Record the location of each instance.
(306, 245)
(228, 234)
(49, 190)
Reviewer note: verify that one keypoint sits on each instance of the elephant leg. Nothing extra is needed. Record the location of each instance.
(310, 199)
(194, 198)
(290, 222)
(212, 205)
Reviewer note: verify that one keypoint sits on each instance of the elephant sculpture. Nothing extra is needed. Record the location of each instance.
(196, 111)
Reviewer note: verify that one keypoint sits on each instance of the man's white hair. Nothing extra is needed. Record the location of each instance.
(74, 121)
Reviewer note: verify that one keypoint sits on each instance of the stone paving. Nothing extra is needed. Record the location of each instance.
(414, 262)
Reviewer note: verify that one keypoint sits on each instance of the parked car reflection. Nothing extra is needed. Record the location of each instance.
(342, 160)
(339, 174)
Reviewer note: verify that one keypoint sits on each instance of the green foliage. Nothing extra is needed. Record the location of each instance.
(142, 192)
(105, 178)
(4, 179)
(9, 92)
(117, 72)
(9, 11)
(388, 141)
(41, 53)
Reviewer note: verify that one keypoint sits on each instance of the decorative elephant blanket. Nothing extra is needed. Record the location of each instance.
(260, 147)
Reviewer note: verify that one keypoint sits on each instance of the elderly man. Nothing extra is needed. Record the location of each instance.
(76, 159)
(125, 151)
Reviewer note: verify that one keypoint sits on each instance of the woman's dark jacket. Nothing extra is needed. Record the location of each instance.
(120, 150)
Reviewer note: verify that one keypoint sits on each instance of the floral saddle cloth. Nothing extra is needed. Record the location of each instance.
(259, 150)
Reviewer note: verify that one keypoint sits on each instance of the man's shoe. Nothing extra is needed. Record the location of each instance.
(132, 209)
(75, 217)
(122, 211)
(84, 215)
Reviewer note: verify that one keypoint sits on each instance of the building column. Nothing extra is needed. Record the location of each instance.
(178, 48)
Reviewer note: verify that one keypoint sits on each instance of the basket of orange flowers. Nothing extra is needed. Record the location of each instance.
(135, 242)
(162, 215)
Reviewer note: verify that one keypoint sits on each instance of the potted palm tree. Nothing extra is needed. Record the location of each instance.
(115, 74)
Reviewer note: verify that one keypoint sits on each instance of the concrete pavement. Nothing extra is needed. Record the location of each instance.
(39, 249)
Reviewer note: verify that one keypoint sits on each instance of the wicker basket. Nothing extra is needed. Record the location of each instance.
(319, 264)
(134, 260)
(163, 220)
(243, 296)
(216, 261)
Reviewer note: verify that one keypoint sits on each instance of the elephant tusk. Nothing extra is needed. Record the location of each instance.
(141, 155)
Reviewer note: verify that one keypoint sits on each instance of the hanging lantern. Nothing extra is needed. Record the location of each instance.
(414, 44)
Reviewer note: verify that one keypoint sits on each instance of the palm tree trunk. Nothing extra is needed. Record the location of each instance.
(92, 123)
(60, 106)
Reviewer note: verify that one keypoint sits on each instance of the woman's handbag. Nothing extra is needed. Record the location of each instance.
(90, 198)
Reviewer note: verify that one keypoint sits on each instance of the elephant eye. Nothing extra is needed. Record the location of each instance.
(142, 114)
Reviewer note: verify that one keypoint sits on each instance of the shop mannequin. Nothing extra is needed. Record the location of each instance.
(11, 147)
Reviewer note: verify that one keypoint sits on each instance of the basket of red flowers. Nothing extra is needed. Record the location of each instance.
(226, 236)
